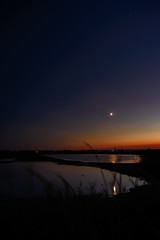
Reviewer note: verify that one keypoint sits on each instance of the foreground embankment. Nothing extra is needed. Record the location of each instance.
(127, 216)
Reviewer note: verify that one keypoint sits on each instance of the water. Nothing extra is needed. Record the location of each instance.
(108, 158)
(26, 179)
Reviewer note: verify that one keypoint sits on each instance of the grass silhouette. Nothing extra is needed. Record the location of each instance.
(103, 177)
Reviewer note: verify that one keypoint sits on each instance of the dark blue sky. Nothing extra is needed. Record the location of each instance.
(67, 64)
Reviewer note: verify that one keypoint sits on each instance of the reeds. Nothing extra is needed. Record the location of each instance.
(105, 189)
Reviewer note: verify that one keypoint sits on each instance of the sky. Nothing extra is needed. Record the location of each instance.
(65, 65)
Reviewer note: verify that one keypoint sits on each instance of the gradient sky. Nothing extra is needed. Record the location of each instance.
(66, 64)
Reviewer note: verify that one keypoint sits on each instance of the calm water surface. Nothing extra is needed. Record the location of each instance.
(24, 179)
(109, 158)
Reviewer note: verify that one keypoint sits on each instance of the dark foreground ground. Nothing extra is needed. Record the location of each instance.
(127, 216)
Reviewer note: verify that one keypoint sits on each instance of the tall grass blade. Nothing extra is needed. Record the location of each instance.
(103, 177)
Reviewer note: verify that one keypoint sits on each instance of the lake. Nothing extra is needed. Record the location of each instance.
(34, 179)
(108, 158)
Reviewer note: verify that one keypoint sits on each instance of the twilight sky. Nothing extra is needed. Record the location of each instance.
(67, 64)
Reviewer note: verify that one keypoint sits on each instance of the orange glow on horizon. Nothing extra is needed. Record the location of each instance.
(103, 140)
(123, 145)
(104, 146)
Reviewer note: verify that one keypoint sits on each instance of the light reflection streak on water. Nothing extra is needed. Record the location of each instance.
(114, 190)
(113, 158)
(109, 158)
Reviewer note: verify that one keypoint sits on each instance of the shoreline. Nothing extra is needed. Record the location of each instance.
(130, 169)
(146, 169)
